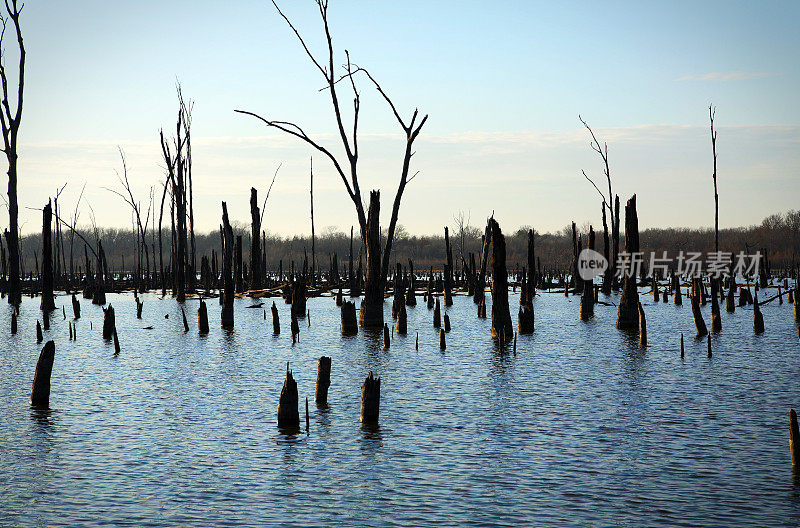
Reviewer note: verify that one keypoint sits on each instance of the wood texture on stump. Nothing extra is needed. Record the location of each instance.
(716, 320)
(40, 391)
(202, 318)
(402, 321)
(758, 318)
(699, 322)
(370, 400)
(323, 381)
(48, 301)
(349, 323)
(628, 312)
(288, 415)
(501, 314)
(226, 317)
(371, 310)
(276, 321)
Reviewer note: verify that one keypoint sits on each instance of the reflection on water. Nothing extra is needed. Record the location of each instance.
(581, 427)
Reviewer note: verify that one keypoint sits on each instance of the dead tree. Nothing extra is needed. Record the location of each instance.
(255, 241)
(628, 312)
(48, 303)
(10, 121)
(227, 270)
(448, 270)
(716, 320)
(613, 213)
(502, 328)
(378, 257)
(313, 235)
(587, 297)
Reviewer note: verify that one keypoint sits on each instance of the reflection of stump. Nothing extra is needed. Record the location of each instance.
(46, 321)
(185, 322)
(708, 345)
(716, 320)
(386, 340)
(678, 300)
(202, 318)
(402, 321)
(13, 323)
(794, 440)
(442, 340)
(482, 308)
(758, 319)
(288, 416)
(429, 301)
(349, 323)
(40, 391)
(446, 323)
(294, 325)
(76, 307)
(526, 319)
(370, 400)
(643, 327)
(116, 341)
(437, 315)
(323, 381)
(109, 322)
(339, 297)
(682, 352)
(39, 336)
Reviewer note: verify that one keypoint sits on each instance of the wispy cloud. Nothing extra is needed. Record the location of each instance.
(726, 76)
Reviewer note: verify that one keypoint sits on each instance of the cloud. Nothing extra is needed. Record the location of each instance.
(725, 76)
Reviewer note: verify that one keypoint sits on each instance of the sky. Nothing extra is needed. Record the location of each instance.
(503, 84)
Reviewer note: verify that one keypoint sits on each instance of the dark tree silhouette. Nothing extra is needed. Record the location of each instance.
(10, 121)
(378, 257)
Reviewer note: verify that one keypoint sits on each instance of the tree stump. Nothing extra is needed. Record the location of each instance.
(40, 391)
(716, 320)
(46, 321)
(442, 340)
(371, 309)
(349, 323)
(323, 381)
(109, 323)
(39, 336)
(446, 323)
(295, 326)
(339, 297)
(402, 321)
(370, 400)
(501, 314)
(386, 340)
(682, 345)
(437, 315)
(526, 319)
(185, 322)
(48, 303)
(116, 341)
(708, 345)
(758, 319)
(139, 306)
(202, 318)
(628, 312)
(288, 415)
(730, 301)
(276, 322)
(699, 322)
(678, 296)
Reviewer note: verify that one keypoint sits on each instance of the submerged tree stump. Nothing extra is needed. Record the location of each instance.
(716, 320)
(482, 308)
(628, 312)
(39, 336)
(708, 345)
(682, 352)
(276, 322)
(442, 340)
(370, 400)
(227, 297)
(386, 340)
(139, 306)
(525, 319)
(185, 322)
(501, 314)
(643, 329)
(446, 323)
(202, 318)
(730, 301)
(677, 286)
(349, 323)
(295, 327)
(288, 415)
(116, 341)
(40, 391)
(402, 321)
(323, 381)
(699, 322)
(371, 309)
(758, 319)
(48, 303)
(411, 299)
(109, 323)
(437, 315)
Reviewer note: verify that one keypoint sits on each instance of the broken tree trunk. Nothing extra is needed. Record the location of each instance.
(202, 317)
(758, 318)
(587, 297)
(109, 322)
(371, 311)
(255, 241)
(716, 320)
(448, 270)
(699, 323)
(501, 316)
(349, 324)
(40, 391)
(370, 400)
(48, 302)
(628, 312)
(323, 381)
(276, 322)
(288, 415)
(227, 270)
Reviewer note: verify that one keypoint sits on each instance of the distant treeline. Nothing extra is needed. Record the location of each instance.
(779, 234)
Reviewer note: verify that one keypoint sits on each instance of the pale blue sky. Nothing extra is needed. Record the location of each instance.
(503, 83)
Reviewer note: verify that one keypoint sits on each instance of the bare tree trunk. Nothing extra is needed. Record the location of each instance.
(628, 312)
(313, 236)
(255, 241)
(502, 327)
(371, 311)
(227, 271)
(48, 303)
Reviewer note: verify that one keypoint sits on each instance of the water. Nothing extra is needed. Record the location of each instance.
(579, 428)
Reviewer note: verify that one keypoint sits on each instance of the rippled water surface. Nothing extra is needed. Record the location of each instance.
(579, 428)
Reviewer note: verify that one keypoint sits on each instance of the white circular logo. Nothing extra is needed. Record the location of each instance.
(591, 264)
